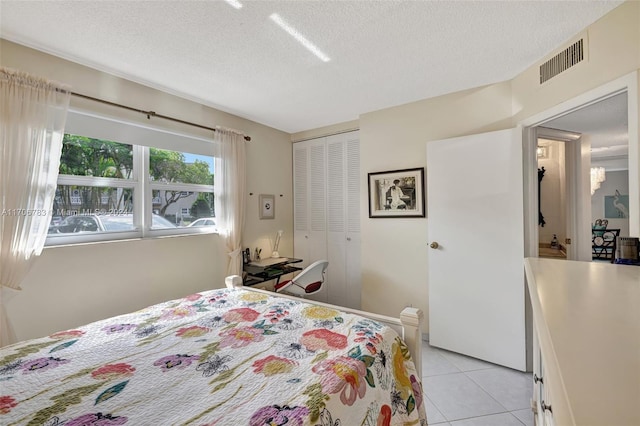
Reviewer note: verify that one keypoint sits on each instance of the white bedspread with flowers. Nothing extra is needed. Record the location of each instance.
(222, 357)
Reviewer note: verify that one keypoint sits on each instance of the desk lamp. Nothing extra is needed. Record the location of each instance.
(276, 244)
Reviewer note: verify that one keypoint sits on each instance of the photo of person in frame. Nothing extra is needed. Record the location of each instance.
(397, 193)
(395, 197)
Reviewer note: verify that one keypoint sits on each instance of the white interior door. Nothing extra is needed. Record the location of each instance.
(476, 278)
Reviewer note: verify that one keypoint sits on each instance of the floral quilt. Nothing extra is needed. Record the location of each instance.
(221, 357)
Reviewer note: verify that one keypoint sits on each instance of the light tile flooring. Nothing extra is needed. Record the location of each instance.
(464, 391)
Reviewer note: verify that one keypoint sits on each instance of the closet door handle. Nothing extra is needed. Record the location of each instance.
(537, 379)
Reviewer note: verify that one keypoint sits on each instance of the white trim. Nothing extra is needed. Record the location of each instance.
(98, 181)
(530, 196)
(580, 247)
(140, 164)
(90, 237)
(174, 186)
(557, 135)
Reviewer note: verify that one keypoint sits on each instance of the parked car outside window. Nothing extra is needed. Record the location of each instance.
(203, 221)
(103, 223)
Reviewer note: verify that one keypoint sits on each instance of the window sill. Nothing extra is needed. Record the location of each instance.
(127, 239)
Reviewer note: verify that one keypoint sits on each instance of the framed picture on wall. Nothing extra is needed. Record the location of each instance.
(397, 193)
(267, 207)
(616, 206)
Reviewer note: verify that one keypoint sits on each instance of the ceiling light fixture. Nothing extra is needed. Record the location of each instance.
(301, 39)
(234, 3)
(597, 177)
(541, 152)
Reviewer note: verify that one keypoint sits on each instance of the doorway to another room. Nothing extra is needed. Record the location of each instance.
(583, 176)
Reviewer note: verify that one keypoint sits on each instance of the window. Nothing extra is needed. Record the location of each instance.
(181, 184)
(109, 190)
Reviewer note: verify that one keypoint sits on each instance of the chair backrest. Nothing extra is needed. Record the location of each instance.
(601, 222)
(599, 226)
(310, 280)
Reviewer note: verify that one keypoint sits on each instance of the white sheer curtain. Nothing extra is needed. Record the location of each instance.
(32, 116)
(230, 188)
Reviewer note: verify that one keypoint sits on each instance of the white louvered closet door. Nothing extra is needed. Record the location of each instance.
(327, 211)
(353, 263)
(309, 187)
(343, 219)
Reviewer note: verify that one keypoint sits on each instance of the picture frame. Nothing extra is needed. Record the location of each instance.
(616, 206)
(267, 206)
(397, 193)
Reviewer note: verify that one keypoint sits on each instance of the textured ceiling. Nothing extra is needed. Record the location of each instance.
(383, 53)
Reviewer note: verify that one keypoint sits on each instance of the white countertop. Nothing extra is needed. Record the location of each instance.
(588, 319)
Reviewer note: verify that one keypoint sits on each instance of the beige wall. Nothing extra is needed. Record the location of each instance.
(70, 286)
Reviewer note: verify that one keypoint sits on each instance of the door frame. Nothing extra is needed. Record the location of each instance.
(627, 83)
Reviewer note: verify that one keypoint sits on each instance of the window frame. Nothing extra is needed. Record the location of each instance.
(140, 181)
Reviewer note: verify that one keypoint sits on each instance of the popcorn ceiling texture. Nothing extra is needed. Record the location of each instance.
(383, 53)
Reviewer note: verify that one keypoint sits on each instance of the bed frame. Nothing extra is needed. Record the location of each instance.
(408, 325)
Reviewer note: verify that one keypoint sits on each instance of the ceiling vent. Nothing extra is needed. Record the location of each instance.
(564, 60)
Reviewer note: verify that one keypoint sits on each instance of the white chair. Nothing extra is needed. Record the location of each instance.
(307, 282)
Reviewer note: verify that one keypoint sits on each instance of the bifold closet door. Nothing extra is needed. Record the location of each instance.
(343, 219)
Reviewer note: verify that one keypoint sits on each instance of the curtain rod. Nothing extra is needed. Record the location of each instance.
(149, 114)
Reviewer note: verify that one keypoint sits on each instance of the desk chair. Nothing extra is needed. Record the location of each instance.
(603, 244)
(307, 282)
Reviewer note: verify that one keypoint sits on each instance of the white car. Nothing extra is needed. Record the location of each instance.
(203, 221)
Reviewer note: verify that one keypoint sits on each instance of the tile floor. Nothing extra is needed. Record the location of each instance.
(464, 391)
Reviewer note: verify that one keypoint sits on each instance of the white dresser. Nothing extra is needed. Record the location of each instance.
(586, 349)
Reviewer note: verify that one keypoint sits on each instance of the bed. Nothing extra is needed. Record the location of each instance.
(232, 356)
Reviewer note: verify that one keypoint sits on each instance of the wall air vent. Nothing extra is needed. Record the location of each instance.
(564, 60)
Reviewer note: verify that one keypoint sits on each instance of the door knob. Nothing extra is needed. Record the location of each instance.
(434, 245)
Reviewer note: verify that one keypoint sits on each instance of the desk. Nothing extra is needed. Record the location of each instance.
(269, 269)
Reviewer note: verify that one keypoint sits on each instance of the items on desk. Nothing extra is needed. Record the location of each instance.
(268, 269)
(277, 243)
(257, 255)
(246, 256)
